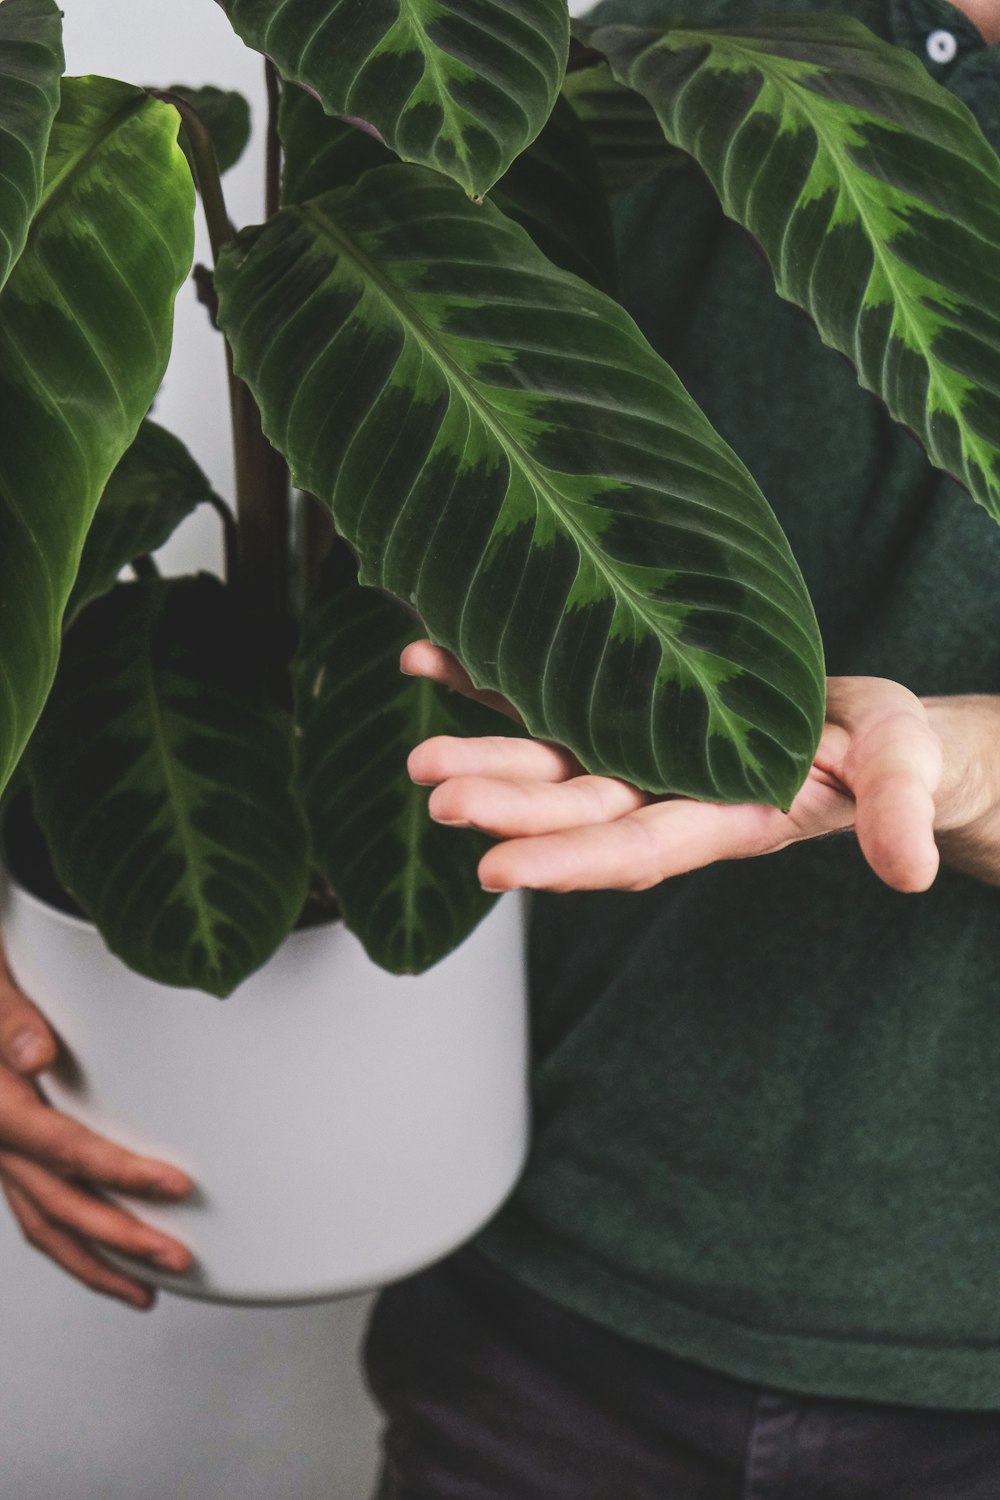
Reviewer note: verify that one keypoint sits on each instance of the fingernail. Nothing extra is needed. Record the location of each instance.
(141, 1301)
(168, 1260)
(28, 1049)
(170, 1187)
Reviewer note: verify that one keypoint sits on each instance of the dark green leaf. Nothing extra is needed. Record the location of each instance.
(225, 114)
(552, 189)
(85, 331)
(876, 198)
(407, 886)
(462, 87)
(156, 484)
(31, 64)
(321, 152)
(622, 128)
(505, 451)
(160, 776)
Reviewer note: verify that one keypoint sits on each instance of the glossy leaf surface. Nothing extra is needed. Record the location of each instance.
(553, 189)
(461, 86)
(622, 128)
(875, 196)
(85, 331)
(161, 777)
(154, 486)
(506, 452)
(406, 885)
(31, 64)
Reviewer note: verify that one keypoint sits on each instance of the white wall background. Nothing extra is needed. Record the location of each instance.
(190, 1402)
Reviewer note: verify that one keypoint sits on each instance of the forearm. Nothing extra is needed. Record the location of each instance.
(968, 825)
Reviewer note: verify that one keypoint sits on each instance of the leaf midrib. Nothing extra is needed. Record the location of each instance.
(536, 475)
(53, 193)
(813, 107)
(187, 835)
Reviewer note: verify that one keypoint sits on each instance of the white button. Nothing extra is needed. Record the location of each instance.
(942, 47)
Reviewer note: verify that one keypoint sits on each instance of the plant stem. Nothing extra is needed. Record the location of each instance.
(144, 566)
(272, 180)
(316, 540)
(230, 534)
(206, 171)
(261, 474)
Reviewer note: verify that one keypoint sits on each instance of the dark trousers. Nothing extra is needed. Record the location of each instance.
(492, 1392)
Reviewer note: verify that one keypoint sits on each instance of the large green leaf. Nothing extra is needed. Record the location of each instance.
(553, 188)
(155, 485)
(622, 128)
(31, 64)
(506, 452)
(876, 198)
(160, 776)
(461, 86)
(85, 330)
(406, 886)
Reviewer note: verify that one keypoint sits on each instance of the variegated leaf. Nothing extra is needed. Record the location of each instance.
(85, 330)
(154, 486)
(875, 196)
(506, 452)
(31, 64)
(161, 779)
(406, 885)
(553, 188)
(458, 85)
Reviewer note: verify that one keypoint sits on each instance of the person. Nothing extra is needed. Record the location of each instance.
(754, 1252)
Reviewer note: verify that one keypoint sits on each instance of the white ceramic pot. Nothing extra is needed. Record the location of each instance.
(344, 1126)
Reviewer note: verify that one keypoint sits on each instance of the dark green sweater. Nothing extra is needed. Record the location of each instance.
(768, 1093)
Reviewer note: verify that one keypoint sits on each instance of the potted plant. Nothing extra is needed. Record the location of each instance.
(425, 342)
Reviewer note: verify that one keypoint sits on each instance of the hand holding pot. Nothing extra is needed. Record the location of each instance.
(48, 1161)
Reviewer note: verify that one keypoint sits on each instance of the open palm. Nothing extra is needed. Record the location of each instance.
(883, 768)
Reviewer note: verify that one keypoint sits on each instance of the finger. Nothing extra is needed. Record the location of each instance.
(446, 755)
(893, 767)
(638, 850)
(511, 809)
(66, 1251)
(65, 1204)
(422, 659)
(32, 1128)
(26, 1041)
(894, 818)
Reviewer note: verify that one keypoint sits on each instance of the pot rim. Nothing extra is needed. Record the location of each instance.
(39, 903)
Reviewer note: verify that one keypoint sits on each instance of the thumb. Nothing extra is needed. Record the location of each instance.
(893, 767)
(27, 1044)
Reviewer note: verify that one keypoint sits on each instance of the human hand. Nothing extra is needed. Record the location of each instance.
(904, 774)
(49, 1163)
